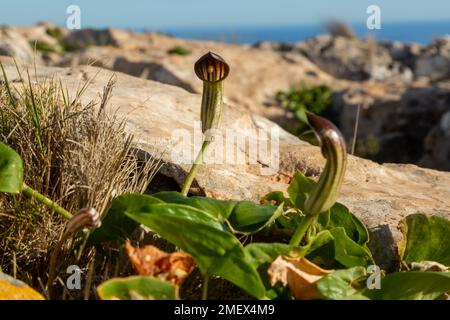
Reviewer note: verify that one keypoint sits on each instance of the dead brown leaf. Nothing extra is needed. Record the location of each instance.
(300, 276)
(149, 260)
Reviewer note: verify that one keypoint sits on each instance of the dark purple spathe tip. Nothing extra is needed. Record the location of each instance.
(211, 68)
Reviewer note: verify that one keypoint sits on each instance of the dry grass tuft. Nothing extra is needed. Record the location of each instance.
(76, 154)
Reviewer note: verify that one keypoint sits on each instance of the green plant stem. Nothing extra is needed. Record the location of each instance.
(33, 194)
(205, 287)
(195, 166)
(301, 230)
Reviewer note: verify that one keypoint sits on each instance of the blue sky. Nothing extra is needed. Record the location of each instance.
(160, 14)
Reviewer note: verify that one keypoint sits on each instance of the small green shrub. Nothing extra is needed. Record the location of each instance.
(316, 99)
(368, 147)
(44, 46)
(54, 32)
(60, 47)
(179, 50)
(299, 100)
(66, 47)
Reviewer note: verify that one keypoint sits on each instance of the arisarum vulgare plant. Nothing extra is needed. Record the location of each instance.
(333, 147)
(212, 70)
(323, 195)
(325, 236)
(85, 218)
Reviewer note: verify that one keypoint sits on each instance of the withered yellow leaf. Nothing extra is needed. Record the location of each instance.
(12, 289)
(300, 276)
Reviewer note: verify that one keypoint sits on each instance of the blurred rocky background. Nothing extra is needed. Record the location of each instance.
(398, 93)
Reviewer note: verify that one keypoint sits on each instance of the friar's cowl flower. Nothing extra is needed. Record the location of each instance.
(324, 193)
(212, 70)
(84, 218)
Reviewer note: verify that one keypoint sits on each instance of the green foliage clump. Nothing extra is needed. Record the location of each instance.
(65, 47)
(299, 100)
(179, 50)
(60, 46)
(315, 99)
(368, 148)
(337, 240)
(47, 47)
(44, 46)
(54, 32)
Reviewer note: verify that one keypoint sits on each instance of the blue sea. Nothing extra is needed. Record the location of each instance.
(418, 32)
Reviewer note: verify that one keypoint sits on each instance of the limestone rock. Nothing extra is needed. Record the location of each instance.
(92, 37)
(434, 62)
(437, 145)
(14, 45)
(43, 32)
(404, 53)
(258, 74)
(399, 108)
(353, 59)
(394, 120)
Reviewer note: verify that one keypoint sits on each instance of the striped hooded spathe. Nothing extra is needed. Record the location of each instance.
(211, 68)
